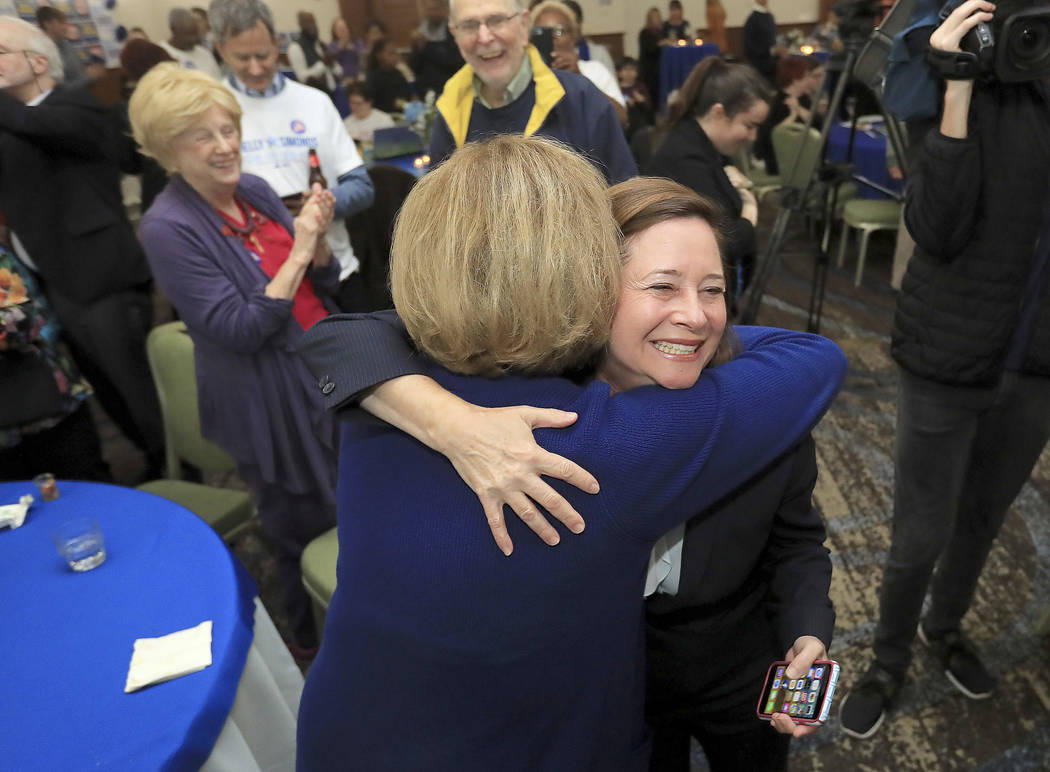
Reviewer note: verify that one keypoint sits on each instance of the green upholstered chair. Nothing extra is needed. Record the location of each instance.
(229, 512)
(318, 565)
(791, 141)
(867, 217)
(762, 181)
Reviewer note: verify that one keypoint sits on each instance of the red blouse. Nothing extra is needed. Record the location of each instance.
(270, 244)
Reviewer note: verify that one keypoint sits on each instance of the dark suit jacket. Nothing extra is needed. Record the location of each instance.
(760, 549)
(60, 193)
(755, 576)
(687, 156)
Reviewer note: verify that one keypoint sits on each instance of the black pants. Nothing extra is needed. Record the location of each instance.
(70, 451)
(107, 338)
(704, 681)
(962, 456)
(757, 748)
(290, 522)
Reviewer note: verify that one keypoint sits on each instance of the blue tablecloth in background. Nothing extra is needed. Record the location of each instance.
(67, 637)
(869, 158)
(676, 62)
(405, 163)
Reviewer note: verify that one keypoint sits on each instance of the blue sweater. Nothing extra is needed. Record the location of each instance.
(440, 653)
(557, 104)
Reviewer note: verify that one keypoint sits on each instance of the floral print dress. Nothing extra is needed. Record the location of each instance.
(28, 325)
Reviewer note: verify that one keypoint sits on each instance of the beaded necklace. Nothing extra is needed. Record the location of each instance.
(252, 221)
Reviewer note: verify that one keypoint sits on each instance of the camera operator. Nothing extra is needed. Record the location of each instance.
(972, 339)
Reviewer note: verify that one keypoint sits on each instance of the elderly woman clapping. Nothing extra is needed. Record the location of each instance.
(247, 281)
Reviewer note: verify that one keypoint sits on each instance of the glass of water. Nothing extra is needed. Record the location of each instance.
(79, 541)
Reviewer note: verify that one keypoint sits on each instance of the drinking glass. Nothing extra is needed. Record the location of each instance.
(79, 541)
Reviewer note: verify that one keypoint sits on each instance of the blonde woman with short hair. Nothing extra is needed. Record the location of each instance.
(440, 652)
(247, 280)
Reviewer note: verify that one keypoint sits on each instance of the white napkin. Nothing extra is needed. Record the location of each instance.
(155, 660)
(15, 514)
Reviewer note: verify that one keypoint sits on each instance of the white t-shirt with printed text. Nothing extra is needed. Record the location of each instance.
(276, 135)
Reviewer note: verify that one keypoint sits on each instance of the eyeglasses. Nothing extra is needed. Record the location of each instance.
(495, 23)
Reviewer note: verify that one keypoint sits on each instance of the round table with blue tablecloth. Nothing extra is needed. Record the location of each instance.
(676, 62)
(67, 638)
(868, 159)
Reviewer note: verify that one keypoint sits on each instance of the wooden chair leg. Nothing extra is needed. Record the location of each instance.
(842, 244)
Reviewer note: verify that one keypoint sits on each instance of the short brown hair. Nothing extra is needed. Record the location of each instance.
(167, 101)
(506, 257)
(642, 202)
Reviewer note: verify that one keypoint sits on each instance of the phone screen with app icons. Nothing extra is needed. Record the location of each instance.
(806, 700)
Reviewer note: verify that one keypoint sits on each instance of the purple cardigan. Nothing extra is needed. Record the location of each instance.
(257, 399)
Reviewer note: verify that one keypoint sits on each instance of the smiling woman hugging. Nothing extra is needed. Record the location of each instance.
(534, 661)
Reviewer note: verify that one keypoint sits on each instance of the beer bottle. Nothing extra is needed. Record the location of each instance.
(316, 175)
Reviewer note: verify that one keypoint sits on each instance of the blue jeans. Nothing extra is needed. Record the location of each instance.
(962, 455)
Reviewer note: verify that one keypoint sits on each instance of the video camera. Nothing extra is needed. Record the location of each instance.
(1015, 45)
(856, 19)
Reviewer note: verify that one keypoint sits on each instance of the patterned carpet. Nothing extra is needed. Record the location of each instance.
(933, 727)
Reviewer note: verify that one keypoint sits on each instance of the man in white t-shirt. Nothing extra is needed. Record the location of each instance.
(184, 46)
(282, 121)
(364, 119)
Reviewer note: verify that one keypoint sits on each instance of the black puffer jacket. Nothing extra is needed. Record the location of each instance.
(975, 208)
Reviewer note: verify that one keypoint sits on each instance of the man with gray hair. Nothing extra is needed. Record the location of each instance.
(60, 194)
(184, 46)
(506, 88)
(283, 120)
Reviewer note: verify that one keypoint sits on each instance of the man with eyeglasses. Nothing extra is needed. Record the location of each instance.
(60, 194)
(506, 88)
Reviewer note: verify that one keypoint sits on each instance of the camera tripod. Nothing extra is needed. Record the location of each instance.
(794, 199)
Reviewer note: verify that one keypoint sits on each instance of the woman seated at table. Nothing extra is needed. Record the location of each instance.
(532, 662)
(247, 281)
(799, 79)
(364, 118)
(716, 115)
(388, 84)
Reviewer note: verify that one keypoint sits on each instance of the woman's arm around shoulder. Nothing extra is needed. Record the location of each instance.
(369, 359)
(672, 453)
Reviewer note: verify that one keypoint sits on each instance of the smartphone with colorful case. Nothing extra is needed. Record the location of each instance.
(805, 700)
